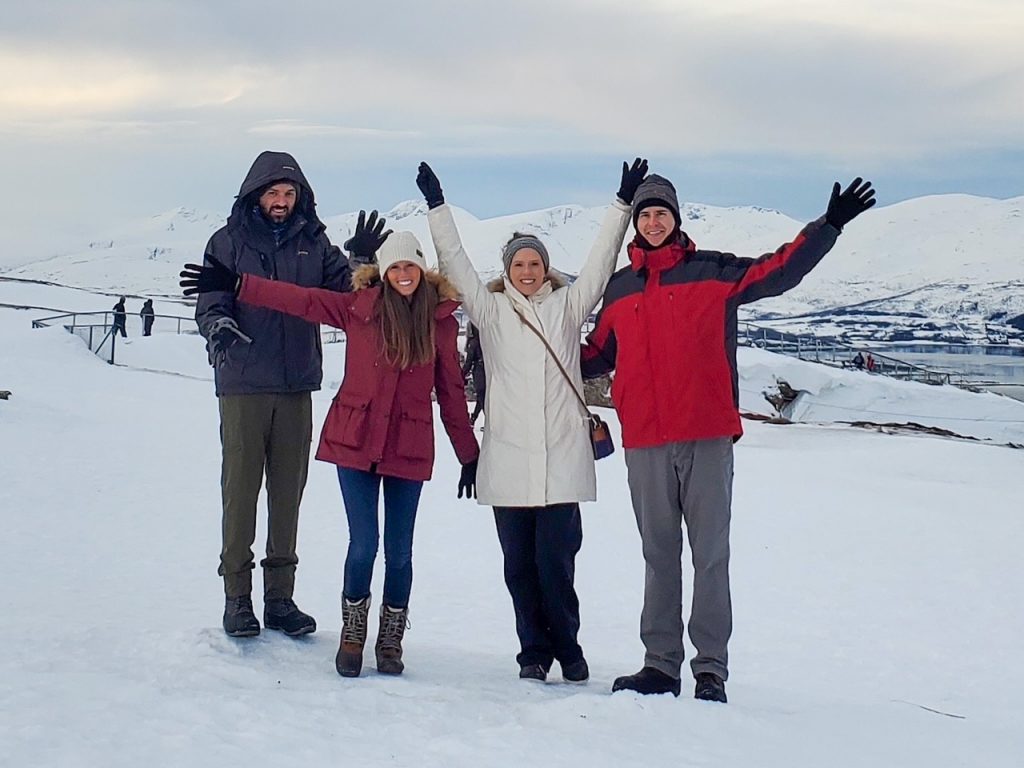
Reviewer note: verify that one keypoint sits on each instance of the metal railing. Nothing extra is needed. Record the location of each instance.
(836, 353)
(97, 329)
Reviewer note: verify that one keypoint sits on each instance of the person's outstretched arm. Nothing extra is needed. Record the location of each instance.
(775, 273)
(317, 305)
(586, 291)
(480, 304)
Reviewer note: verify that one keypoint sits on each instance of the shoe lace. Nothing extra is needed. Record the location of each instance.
(393, 626)
(354, 629)
(283, 606)
(241, 603)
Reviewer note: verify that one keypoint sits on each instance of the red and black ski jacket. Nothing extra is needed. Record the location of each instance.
(667, 327)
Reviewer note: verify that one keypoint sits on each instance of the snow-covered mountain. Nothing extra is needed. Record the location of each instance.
(940, 268)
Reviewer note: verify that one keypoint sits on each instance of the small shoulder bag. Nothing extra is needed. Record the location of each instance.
(600, 436)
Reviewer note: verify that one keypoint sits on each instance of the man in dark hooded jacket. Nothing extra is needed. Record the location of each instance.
(266, 365)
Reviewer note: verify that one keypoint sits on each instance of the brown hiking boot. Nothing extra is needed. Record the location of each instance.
(393, 622)
(349, 661)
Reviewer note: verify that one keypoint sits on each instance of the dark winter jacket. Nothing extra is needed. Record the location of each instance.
(285, 353)
(474, 362)
(120, 315)
(668, 329)
(382, 415)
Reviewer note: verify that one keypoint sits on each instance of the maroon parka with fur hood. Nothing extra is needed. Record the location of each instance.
(382, 416)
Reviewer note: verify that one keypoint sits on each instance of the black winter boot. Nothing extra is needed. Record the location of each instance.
(533, 672)
(349, 661)
(282, 614)
(239, 620)
(577, 672)
(710, 687)
(393, 622)
(648, 680)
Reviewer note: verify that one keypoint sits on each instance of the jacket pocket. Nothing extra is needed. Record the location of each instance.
(347, 421)
(415, 437)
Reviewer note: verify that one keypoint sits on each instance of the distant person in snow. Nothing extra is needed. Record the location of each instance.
(672, 305)
(537, 460)
(473, 366)
(266, 364)
(402, 344)
(120, 318)
(148, 315)
(869, 362)
(858, 361)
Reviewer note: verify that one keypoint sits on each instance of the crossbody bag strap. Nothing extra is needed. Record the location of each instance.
(554, 357)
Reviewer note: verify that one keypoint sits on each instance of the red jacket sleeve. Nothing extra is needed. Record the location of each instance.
(451, 393)
(775, 273)
(317, 305)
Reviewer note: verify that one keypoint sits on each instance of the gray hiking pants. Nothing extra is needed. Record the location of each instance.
(671, 484)
(270, 432)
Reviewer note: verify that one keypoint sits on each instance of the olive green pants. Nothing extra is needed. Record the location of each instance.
(270, 432)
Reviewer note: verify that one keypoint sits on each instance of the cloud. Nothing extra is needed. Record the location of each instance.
(758, 86)
(288, 128)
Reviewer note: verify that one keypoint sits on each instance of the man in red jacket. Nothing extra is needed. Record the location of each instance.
(667, 327)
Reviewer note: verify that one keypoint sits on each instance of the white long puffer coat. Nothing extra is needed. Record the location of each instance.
(536, 449)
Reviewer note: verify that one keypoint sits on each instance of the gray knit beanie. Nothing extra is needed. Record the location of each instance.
(520, 242)
(656, 190)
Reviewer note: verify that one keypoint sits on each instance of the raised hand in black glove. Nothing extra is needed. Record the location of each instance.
(216, 277)
(845, 206)
(430, 186)
(631, 178)
(368, 237)
(467, 481)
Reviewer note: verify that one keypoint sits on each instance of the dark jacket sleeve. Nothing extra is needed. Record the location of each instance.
(473, 355)
(216, 304)
(337, 271)
(451, 392)
(597, 354)
(775, 273)
(316, 305)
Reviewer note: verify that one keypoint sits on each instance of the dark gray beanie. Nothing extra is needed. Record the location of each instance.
(524, 241)
(656, 190)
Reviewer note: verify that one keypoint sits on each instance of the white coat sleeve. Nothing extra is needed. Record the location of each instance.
(589, 286)
(480, 304)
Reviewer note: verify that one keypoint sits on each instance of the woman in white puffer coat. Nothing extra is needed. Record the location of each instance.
(536, 461)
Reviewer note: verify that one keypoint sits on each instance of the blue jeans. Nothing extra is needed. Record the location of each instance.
(361, 492)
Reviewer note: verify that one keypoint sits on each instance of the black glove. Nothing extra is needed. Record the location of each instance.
(467, 481)
(631, 178)
(216, 277)
(368, 237)
(224, 332)
(852, 202)
(430, 186)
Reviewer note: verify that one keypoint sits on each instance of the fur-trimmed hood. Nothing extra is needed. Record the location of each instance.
(368, 276)
(497, 285)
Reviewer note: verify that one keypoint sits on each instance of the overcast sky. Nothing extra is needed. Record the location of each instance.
(138, 106)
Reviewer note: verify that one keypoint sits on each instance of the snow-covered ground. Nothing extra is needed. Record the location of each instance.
(877, 585)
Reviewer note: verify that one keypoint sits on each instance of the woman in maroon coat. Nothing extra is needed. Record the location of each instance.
(401, 344)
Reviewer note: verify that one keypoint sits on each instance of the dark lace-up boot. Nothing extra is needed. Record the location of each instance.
(393, 623)
(239, 620)
(282, 614)
(349, 661)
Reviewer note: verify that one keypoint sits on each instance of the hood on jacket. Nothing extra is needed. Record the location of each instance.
(269, 167)
(368, 276)
(642, 256)
(497, 285)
